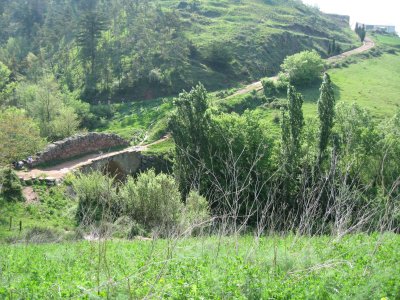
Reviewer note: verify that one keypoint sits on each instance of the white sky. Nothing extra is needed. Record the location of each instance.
(377, 12)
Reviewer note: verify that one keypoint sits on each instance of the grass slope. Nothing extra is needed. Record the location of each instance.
(53, 210)
(369, 80)
(258, 34)
(291, 267)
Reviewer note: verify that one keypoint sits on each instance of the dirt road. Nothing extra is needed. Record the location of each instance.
(368, 44)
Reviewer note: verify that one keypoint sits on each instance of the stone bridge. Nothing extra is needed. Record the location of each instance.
(120, 164)
(127, 162)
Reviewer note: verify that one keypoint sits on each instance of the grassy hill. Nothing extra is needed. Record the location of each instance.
(255, 35)
(367, 79)
(150, 49)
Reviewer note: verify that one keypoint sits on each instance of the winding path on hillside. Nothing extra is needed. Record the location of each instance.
(367, 45)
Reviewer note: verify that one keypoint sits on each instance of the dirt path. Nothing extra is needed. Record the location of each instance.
(30, 196)
(368, 44)
(60, 170)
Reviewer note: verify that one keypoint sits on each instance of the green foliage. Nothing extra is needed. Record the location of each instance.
(326, 113)
(6, 86)
(147, 204)
(216, 144)
(209, 268)
(303, 68)
(52, 211)
(96, 194)
(19, 136)
(334, 48)
(190, 125)
(108, 50)
(196, 210)
(152, 201)
(4, 76)
(56, 111)
(360, 30)
(11, 188)
(269, 87)
(290, 154)
(295, 116)
(219, 56)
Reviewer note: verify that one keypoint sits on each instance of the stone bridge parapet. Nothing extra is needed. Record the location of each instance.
(77, 145)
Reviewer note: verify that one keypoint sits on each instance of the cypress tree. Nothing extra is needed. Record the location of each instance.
(296, 118)
(330, 48)
(326, 113)
(292, 125)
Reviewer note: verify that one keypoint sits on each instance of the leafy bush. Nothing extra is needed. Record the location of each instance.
(96, 194)
(19, 136)
(282, 83)
(269, 87)
(152, 200)
(10, 184)
(39, 235)
(196, 211)
(303, 68)
(219, 56)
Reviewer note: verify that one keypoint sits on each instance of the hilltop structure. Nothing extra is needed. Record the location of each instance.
(380, 28)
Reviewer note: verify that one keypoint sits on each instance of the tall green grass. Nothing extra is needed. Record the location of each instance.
(274, 267)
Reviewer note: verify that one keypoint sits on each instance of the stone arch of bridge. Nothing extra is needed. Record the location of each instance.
(114, 169)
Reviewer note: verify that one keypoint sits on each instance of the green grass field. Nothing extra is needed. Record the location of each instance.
(139, 120)
(53, 211)
(369, 81)
(289, 267)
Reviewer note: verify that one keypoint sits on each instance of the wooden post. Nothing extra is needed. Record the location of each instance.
(10, 223)
(20, 226)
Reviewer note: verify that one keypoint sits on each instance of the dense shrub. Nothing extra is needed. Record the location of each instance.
(269, 87)
(218, 56)
(10, 185)
(96, 194)
(196, 212)
(152, 200)
(303, 68)
(139, 206)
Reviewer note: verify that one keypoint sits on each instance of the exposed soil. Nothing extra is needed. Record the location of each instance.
(30, 196)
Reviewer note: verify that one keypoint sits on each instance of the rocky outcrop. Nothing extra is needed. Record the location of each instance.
(79, 145)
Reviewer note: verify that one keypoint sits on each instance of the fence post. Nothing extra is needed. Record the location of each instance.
(10, 223)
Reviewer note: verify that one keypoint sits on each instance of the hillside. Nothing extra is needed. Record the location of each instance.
(366, 79)
(147, 49)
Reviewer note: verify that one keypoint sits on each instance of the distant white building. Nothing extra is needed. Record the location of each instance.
(383, 28)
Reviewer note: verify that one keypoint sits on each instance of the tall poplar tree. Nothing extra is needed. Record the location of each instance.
(326, 114)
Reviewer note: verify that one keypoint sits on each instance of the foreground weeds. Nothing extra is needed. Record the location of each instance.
(274, 267)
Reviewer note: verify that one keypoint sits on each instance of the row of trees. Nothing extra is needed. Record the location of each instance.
(361, 31)
(341, 162)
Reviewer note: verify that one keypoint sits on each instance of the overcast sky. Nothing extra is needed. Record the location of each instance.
(377, 12)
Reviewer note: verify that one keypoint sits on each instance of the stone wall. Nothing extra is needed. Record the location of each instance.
(79, 145)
